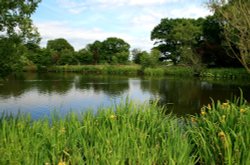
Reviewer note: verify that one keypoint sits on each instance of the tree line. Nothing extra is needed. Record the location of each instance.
(219, 40)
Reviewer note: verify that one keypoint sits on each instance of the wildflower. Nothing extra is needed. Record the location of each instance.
(225, 105)
(222, 135)
(222, 120)
(203, 113)
(61, 163)
(62, 131)
(209, 107)
(113, 117)
(242, 110)
(193, 120)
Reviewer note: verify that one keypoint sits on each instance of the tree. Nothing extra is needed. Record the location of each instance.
(115, 50)
(236, 25)
(177, 38)
(61, 51)
(136, 56)
(212, 51)
(95, 49)
(15, 27)
(84, 56)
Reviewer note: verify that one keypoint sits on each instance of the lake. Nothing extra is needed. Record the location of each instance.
(42, 94)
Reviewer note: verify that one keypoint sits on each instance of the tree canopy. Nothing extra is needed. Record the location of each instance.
(16, 27)
(236, 24)
(178, 36)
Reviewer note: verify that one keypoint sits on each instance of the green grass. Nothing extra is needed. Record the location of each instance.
(219, 73)
(221, 134)
(130, 134)
(98, 69)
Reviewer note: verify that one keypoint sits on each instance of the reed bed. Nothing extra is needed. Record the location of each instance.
(221, 133)
(98, 69)
(232, 73)
(130, 133)
(125, 134)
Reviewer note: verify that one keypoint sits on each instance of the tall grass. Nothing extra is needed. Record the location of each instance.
(221, 134)
(130, 134)
(98, 69)
(219, 73)
(126, 134)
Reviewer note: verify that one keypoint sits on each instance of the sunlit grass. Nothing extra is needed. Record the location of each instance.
(221, 133)
(130, 133)
(126, 134)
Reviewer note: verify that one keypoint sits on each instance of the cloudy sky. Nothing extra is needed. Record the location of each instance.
(83, 21)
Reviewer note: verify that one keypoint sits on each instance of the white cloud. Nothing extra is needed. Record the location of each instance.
(79, 38)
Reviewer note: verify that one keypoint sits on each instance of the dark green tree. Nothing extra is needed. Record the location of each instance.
(136, 56)
(16, 28)
(95, 49)
(115, 50)
(84, 56)
(236, 25)
(61, 51)
(178, 37)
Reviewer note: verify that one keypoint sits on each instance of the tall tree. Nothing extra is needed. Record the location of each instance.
(61, 50)
(95, 49)
(236, 25)
(178, 36)
(16, 27)
(115, 50)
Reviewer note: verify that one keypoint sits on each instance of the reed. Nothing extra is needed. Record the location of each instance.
(221, 133)
(125, 134)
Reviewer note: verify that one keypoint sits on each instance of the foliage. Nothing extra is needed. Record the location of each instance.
(150, 60)
(221, 133)
(136, 55)
(115, 50)
(9, 57)
(236, 25)
(15, 18)
(178, 37)
(98, 69)
(61, 51)
(130, 133)
(15, 28)
(235, 73)
(126, 134)
(84, 56)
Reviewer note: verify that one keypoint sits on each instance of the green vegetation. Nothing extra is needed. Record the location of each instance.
(221, 134)
(230, 73)
(130, 134)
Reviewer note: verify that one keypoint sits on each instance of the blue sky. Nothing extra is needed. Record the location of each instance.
(82, 22)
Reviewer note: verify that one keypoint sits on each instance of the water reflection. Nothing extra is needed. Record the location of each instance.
(40, 94)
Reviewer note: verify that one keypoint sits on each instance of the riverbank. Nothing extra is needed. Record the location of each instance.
(130, 134)
(216, 73)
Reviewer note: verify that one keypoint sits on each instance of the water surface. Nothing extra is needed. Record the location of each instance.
(41, 94)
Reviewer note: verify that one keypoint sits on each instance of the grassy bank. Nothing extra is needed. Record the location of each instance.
(117, 70)
(130, 134)
(220, 73)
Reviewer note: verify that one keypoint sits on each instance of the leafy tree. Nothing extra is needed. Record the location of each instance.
(67, 57)
(136, 53)
(95, 49)
(211, 49)
(61, 51)
(84, 56)
(115, 50)
(236, 25)
(150, 59)
(179, 37)
(59, 45)
(16, 27)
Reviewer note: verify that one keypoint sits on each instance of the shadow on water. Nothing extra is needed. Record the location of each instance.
(40, 94)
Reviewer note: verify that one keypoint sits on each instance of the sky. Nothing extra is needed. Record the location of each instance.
(82, 22)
